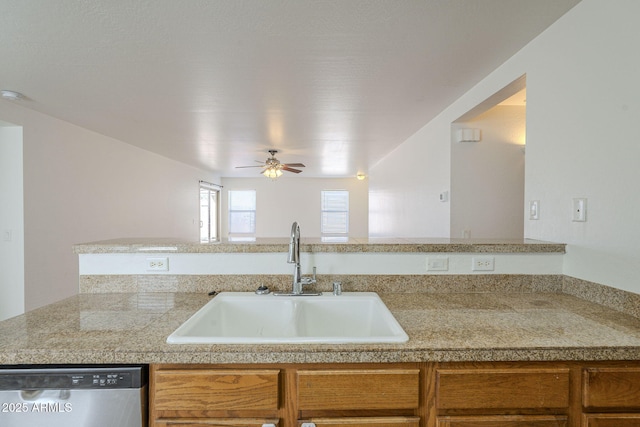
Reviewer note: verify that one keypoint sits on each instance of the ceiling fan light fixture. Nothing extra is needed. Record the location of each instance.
(272, 172)
(272, 168)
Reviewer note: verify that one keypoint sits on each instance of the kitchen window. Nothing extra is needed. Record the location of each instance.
(335, 215)
(209, 212)
(242, 215)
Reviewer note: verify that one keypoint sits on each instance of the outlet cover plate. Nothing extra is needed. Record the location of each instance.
(157, 264)
(482, 263)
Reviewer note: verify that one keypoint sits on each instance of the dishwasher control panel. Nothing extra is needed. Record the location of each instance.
(70, 378)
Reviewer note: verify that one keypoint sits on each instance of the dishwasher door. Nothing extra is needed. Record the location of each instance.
(73, 397)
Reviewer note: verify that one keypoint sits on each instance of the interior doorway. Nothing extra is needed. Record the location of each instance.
(11, 221)
(487, 167)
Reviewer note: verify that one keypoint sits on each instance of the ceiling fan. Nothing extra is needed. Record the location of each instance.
(272, 168)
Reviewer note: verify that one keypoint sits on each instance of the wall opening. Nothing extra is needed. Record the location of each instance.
(487, 167)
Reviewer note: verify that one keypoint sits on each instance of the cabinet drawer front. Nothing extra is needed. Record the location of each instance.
(359, 389)
(502, 388)
(503, 421)
(216, 422)
(611, 388)
(364, 422)
(611, 420)
(216, 390)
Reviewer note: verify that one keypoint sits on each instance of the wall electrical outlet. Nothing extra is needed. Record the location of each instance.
(437, 263)
(482, 263)
(157, 264)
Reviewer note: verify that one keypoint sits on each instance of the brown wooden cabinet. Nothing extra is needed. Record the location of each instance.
(192, 396)
(362, 422)
(488, 394)
(611, 420)
(611, 396)
(285, 396)
(611, 388)
(502, 389)
(353, 389)
(214, 422)
(215, 389)
(503, 421)
(343, 396)
(502, 395)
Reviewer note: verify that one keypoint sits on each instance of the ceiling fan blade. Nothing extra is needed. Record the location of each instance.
(256, 166)
(295, 165)
(286, 168)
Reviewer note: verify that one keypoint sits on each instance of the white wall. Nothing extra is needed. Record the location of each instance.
(404, 188)
(583, 111)
(282, 201)
(487, 177)
(583, 108)
(11, 223)
(80, 186)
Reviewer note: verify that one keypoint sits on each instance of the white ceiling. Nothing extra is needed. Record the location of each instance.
(334, 84)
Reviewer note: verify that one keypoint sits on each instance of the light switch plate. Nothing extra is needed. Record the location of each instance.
(579, 210)
(534, 209)
(440, 263)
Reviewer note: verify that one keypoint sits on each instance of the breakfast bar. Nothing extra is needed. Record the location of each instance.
(519, 345)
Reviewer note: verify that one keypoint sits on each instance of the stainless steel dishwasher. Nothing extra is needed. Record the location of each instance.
(100, 396)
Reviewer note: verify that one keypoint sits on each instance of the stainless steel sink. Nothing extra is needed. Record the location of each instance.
(247, 318)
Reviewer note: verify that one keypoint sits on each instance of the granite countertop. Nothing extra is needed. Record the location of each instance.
(132, 328)
(261, 245)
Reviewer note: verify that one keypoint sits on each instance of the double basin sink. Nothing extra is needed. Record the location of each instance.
(247, 318)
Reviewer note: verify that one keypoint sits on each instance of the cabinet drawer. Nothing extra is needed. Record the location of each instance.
(217, 422)
(611, 420)
(362, 422)
(504, 421)
(358, 389)
(216, 390)
(611, 388)
(502, 388)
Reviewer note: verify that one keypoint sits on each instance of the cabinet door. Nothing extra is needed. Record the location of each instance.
(611, 388)
(504, 421)
(611, 420)
(216, 422)
(358, 389)
(228, 390)
(361, 422)
(502, 389)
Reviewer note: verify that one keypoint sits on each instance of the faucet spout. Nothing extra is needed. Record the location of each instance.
(294, 258)
(294, 244)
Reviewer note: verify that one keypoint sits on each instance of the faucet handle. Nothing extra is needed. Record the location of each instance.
(309, 280)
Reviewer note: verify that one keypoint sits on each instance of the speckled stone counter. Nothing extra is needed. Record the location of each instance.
(132, 328)
(140, 245)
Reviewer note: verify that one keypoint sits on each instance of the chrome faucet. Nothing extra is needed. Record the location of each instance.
(294, 258)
